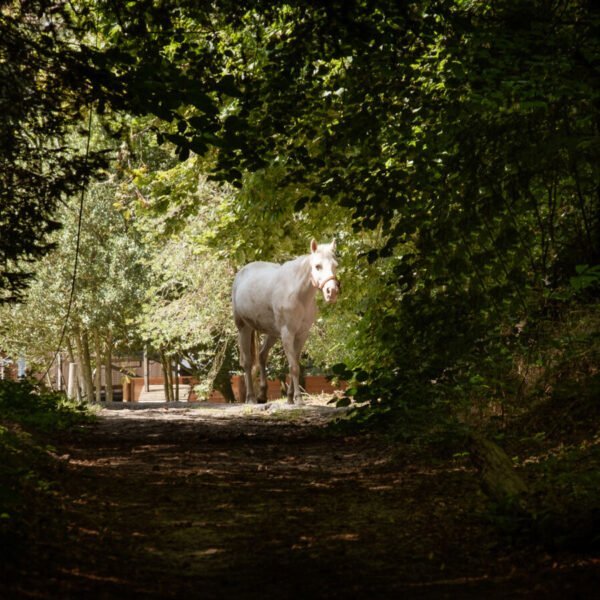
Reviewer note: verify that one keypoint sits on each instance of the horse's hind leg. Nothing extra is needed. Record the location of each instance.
(299, 341)
(289, 345)
(262, 363)
(245, 343)
(290, 391)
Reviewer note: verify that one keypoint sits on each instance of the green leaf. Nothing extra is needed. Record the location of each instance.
(361, 376)
(339, 369)
(198, 122)
(184, 153)
(227, 86)
(197, 145)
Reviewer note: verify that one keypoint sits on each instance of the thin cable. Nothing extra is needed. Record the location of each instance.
(77, 246)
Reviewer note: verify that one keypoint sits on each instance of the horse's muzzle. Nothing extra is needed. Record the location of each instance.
(331, 290)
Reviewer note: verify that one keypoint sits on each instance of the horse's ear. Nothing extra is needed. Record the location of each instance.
(313, 245)
(333, 246)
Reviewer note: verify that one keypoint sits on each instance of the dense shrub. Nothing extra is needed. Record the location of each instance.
(28, 403)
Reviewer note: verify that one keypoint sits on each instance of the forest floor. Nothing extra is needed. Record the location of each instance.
(265, 502)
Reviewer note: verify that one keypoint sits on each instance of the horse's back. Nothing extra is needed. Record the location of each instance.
(252, 295)
(254, 277)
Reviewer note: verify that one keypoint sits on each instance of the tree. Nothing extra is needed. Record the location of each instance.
(465, 131)
(44, 92)
(456, 140)
(58, 62)
(109, 286)
(186, 313)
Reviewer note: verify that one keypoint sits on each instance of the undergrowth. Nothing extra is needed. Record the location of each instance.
(29, 415)
(535, 393)
(30, 405)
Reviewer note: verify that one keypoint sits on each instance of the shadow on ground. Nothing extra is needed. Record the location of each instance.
(238, 502)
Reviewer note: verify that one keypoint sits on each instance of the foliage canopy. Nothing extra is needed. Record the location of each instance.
(451, 145)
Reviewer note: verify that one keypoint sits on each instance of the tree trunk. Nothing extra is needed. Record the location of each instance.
(167, 376)
(83, 350)
(59, 373)
(177, 371)
(88, 376)
(498, 477)
(72, 386)
(146, 370)
(77, 375)
(222, 378)
(98, 373)
(108, 368)
(169, 367)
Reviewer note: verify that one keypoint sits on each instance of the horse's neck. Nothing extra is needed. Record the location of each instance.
(300, 268)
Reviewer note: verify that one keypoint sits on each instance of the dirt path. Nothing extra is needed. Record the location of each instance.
(233, 502)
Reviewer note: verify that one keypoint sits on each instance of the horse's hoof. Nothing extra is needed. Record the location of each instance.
(250, 400)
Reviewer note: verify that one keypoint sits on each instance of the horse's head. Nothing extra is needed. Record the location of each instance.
(322, 269)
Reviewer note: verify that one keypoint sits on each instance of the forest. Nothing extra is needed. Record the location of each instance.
(451, 148)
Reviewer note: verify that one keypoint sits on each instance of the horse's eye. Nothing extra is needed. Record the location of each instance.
(318, 267)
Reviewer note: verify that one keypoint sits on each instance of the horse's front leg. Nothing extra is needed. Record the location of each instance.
(245, 343)
(299, 341)
(288, 340)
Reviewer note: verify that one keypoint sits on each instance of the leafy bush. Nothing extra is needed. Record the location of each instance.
(567, 484)
(28, 403)
(27, 462)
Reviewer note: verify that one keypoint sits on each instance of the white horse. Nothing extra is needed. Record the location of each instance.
(279, 301)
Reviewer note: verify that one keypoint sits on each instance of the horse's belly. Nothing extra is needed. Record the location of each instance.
(262, 321)
(253, 307)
